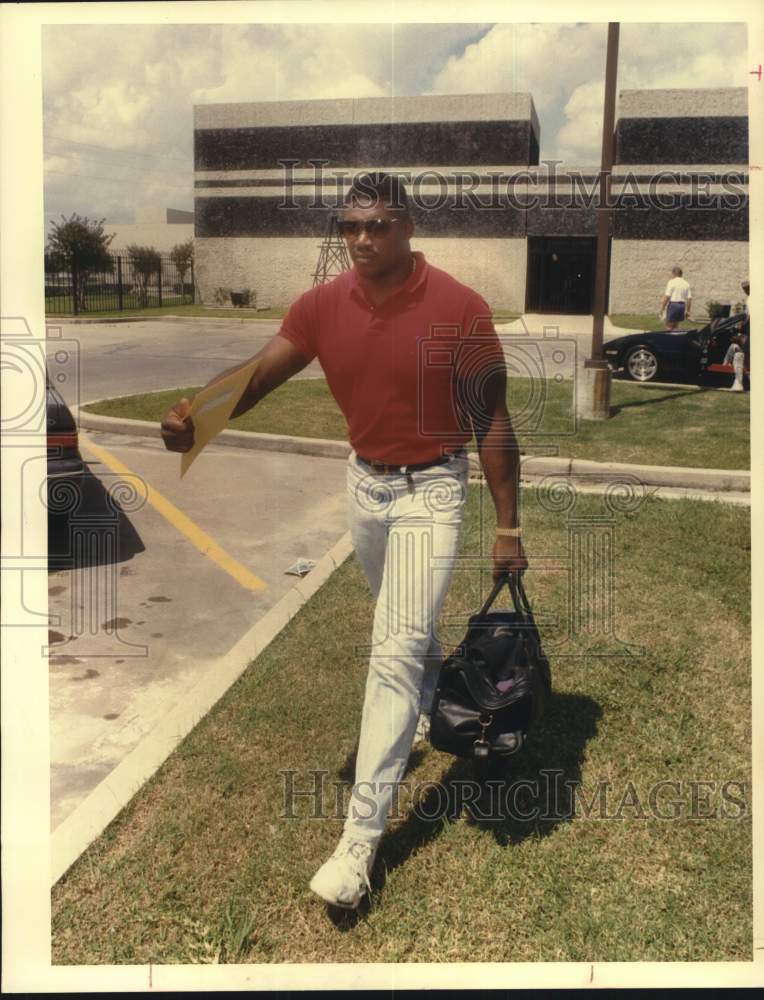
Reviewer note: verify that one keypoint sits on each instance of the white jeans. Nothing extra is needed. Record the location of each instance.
(406, 543)
(738, 366)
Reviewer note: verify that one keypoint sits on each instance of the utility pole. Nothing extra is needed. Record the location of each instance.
(594, 381)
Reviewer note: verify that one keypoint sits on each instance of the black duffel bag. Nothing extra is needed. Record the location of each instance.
(495, 685)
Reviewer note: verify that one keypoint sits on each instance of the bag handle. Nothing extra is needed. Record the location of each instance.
(519, 599)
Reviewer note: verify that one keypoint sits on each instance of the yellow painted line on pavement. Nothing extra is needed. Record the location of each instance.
(206, 545)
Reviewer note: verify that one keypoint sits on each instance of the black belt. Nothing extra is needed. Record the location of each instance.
(388, 470)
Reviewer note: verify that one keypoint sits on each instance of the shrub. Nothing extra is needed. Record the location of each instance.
(77, 243)
(715, 309)
(146, 263)
(182, 256)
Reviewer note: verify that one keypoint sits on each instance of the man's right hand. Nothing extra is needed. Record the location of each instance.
(178, 427)
(279, 360)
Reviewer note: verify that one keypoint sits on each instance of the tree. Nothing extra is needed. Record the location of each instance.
(146, 263)
(80, 246)
(182, 256)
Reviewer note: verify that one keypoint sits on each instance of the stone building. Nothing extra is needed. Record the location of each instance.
(269, 176)
(691, 148)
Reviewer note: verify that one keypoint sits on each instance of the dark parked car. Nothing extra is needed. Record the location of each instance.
(64, 460)
(685, 354)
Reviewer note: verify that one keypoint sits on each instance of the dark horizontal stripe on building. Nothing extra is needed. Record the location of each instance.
(684, 223)
(267, 217)
(259, 217)
(429, 144)
(706, 139)
(328, 183)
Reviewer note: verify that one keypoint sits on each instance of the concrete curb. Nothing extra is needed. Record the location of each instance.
(93, 815)
(721, 480)
(532, 467)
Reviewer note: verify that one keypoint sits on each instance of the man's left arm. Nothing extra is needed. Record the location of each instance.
(499, 454)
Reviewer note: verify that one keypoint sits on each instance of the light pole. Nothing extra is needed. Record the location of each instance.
(594, 378)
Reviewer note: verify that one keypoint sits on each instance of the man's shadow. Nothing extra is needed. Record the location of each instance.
(658, 397)
(530, 794)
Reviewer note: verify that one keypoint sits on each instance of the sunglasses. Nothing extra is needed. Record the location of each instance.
(351, 229)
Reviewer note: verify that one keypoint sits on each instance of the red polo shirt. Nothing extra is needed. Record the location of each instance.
(402, 371)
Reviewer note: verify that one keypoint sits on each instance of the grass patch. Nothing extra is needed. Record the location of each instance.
(504, 315)
(658, 426)
(652, 322)
(171, 310)
(203, 866)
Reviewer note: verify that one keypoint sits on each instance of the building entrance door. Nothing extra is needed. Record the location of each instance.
(561, 274)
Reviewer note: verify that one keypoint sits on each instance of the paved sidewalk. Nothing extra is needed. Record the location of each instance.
(549, 346)
(547, 325)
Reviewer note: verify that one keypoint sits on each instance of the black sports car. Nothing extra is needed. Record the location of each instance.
(684, 354)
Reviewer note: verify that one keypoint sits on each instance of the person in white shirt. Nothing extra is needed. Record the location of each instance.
(677, 299)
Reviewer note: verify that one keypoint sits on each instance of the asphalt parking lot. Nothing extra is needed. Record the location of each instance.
(152, 580)
(117, 359)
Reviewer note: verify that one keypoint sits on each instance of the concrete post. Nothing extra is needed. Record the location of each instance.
(592, 390)
(593, 395)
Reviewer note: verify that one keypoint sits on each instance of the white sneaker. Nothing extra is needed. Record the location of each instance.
(344, 878)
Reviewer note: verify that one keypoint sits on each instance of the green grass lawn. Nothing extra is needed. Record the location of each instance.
(658, 426)
(504, 315)
(172, 310)
(651, 321)
(205, 866)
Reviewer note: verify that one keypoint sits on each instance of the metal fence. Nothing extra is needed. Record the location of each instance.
(71, 288)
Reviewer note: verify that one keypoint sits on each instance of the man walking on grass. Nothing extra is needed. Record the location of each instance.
(410, 413)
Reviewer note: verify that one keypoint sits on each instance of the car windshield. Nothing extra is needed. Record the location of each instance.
(724, 325)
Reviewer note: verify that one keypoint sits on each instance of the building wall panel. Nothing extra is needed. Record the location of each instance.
(639, 271)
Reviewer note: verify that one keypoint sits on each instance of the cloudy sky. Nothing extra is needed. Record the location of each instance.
(118, 120)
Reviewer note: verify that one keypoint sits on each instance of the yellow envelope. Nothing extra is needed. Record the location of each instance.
(211, 409)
